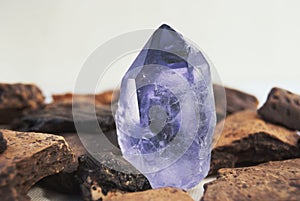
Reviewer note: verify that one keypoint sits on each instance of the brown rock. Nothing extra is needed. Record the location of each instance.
(14, 98)
(30, 157)
(276, 181)
(235, 101)
(57, 118)
(105, 98)
(65, 181)
(163, 194)
(248, 140)
(76, 145)
(282, 107)
(220, 160)
(3, 143)
(108, 97)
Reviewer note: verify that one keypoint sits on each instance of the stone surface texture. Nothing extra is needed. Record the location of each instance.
(3, 143)
(282, 107)
(235, 101)
(246, 139)
(162, 194)
(98, 179)
(105, 98)
(65, 182)
(30, 157)
(276, 181)
(15, 98)
(58, 118)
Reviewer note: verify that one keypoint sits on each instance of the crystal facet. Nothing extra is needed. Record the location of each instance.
(166, 115)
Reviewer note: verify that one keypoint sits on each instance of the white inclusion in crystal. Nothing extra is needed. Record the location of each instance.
(132, 101)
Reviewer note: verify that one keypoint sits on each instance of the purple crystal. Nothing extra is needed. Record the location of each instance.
(166, 116)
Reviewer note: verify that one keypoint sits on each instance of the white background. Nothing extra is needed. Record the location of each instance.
(254, 44)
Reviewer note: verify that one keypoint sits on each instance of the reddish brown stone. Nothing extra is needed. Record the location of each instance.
(163, 194)
(246, 140)
(105, 98)
(30, 157)
(282, 107)
(276, 181)
(233, 101)
(15, 98)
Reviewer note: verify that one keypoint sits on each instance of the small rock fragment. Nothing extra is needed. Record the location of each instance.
(248, 140)
(30, 157)
(97, 179)
(235, 101)
(276, 181)
(282, 107)
(15, 98)
(162, 194)
(65, 182)
(105, 98)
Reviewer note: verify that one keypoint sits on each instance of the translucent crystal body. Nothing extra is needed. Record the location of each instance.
(166, 114)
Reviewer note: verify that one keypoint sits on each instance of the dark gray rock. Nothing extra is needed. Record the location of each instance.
(98, 179)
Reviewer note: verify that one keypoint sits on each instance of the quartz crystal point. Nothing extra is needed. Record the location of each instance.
(166, 114)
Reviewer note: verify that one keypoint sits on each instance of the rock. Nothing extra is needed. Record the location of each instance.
(98, 179)
(235, 101)
(58, 118)
(162, 194)
(220, 159)
(30, 157)
(282, 107)
(105, 98)
(15, 98)
(65, 182)
(3, 143)
(248, 140)
(276, 181)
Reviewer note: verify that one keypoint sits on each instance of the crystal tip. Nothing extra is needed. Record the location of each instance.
(165, 26)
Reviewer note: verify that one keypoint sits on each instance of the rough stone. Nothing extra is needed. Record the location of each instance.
(15, 98)
(98, 179)
(30, 157)
(276, 181)
(162, 194)
(3, 143)
(58, 118)
(282, 107)
(246, 139)
(235, 101)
